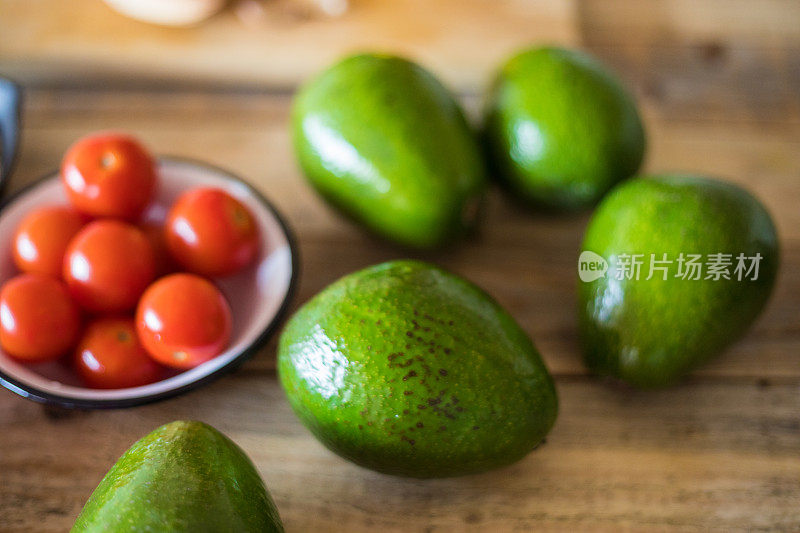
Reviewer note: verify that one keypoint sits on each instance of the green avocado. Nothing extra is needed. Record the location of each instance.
(381, 139)
(560, 130)
(182, 477)
(409, 370)
(651, 332)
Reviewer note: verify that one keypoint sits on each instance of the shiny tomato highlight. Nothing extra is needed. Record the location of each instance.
(108, 266)
(109, 175)
(183, 320)
(211, 233)
(42, 238)
(38, 319)
(110, 356)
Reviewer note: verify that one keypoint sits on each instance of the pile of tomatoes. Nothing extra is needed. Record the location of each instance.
(125, 300)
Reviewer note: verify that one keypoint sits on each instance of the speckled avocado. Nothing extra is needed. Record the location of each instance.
(381, 139)
(651, 332)
(182, 477)
(410, 370)
(560, 129)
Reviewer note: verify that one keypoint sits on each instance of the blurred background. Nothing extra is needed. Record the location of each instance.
(719, 86)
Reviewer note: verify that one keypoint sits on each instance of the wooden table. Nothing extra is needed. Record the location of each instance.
(719, 82)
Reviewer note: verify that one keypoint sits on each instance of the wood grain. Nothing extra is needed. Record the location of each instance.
(461, 39)
(699, 457)
(249, 134)
(720, 88)
(719, 452)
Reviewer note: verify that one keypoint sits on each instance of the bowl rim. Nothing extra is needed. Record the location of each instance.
(34, 393)
(9, 136)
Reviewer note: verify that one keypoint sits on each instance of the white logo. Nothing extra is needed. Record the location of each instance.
(625, 266)
(591, 266)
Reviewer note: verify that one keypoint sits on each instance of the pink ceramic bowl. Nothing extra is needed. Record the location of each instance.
(259, 295)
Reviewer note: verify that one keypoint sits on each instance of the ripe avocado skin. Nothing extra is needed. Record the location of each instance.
(382, 140)
(182, 477)
(410, 370)
(560, 130)
(650, 333)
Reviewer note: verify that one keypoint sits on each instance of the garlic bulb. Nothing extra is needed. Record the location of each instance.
(168, 12)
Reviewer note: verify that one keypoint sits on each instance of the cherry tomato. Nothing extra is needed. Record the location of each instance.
(110, 356)
(183, 320)
(155, 234)
(108, 265)
(109, 175)
(38, 319)
(42, 238)
(211, 233)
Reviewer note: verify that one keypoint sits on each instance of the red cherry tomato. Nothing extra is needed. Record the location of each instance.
(110, 356)
(183, 320)
(108, 265)
(38, 319)
(211, 233)
(155, 234)
(42, 238)
(109, 175)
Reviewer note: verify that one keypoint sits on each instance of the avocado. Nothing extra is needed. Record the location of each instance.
(651, 332)
(383, 141)
(410, 370)
(182, 477)
(560, 129)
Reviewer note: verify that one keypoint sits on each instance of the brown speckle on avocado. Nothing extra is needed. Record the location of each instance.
(442, 372)
(420, 425)
(408, 392)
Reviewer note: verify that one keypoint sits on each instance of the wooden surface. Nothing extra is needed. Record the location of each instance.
(719, 83)
(90, 39)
